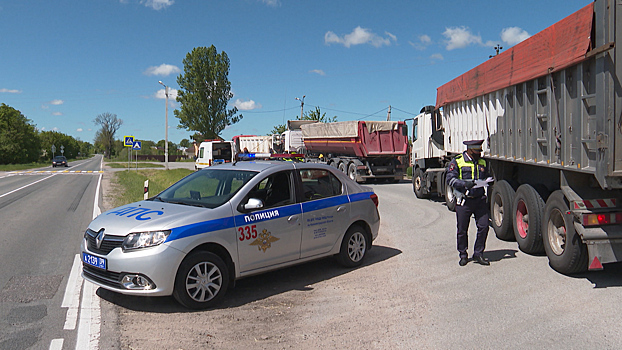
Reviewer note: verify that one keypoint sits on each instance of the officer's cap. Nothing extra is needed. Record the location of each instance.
(474, 144)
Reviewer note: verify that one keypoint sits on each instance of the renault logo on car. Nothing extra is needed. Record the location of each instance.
(100, 238)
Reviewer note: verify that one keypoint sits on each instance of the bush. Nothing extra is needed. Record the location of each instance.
(409, 171)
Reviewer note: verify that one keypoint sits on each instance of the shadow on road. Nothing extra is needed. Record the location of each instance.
(611, 276)
(255, 288)
(501, 254)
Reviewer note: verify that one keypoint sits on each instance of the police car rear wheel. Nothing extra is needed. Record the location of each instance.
(353, 247)
(202, 280)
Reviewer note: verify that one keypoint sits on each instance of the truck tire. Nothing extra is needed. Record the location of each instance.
(352, 171)
(418, 184)
(450, 198)
(501, 201)
(566, 252)
(527, 215)
(343, 166)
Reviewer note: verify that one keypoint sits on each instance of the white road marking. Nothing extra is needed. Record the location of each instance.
(90, 319)
(96, 209)
(71, 300)
(21, 188)
(56, 344)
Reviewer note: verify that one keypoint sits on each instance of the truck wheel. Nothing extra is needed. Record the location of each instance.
(352, 171)
(528, 207)
(343, 166)
(418, 184)
(501, 201)
(450, 198)
(201, 281)
(566, 252)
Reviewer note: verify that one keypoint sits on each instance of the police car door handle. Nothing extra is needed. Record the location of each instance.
(341, 208)
(292, 219)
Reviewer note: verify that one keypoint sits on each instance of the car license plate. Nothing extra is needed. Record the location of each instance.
(94, 261)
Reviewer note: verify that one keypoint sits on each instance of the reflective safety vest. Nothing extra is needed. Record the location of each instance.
(469, 168)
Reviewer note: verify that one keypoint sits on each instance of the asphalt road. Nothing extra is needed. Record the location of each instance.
(410, 293)
(43, 215)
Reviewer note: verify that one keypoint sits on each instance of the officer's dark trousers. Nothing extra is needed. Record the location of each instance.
(479, 208)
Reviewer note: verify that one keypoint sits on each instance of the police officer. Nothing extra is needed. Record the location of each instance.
(462, 172)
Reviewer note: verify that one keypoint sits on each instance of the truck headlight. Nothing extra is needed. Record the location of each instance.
(139, 240)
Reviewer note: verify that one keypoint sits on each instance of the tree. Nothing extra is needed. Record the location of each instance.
(105, 135)
(71, 146)
(278, 129)
(19, 141)
(317, 115)
(184, 143)
(204, 93)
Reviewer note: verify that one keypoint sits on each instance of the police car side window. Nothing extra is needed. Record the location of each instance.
(317, 184)
(274, 190)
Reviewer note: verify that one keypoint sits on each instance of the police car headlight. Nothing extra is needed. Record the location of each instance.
(145, 239)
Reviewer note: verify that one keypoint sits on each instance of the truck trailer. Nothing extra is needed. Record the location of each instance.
(550, 113)
(364, 150)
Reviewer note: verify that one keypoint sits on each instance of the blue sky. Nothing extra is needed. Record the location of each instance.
(63, 62)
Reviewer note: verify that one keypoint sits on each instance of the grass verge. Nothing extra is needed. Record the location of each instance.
(133, 165)
(129, 184)
(25, 166)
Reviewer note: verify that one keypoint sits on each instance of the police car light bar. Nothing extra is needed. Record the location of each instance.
(264, 156)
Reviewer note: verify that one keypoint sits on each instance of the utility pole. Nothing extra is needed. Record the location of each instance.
(389, 114)
(302, 104)
(165, 127)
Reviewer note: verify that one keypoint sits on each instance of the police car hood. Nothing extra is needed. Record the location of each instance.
(154, 216)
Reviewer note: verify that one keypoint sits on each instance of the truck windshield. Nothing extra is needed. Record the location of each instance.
(209, 188)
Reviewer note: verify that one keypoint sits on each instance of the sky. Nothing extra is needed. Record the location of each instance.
(64, 62)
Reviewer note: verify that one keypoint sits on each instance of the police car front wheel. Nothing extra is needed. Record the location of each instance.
(202, 280)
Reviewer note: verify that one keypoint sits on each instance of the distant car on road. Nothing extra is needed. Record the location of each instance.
(223, 223)
(59, 161)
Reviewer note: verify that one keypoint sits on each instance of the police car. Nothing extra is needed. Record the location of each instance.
(227, 222)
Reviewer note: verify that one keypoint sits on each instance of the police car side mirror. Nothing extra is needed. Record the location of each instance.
(253, 203)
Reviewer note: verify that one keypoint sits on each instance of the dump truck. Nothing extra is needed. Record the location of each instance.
(550, 113)
(364, 150)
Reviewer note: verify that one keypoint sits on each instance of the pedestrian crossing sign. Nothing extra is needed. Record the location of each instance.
(136, 145)
(128, 141)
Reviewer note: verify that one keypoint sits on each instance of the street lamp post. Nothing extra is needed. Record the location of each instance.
(165, 127)
(302, 104)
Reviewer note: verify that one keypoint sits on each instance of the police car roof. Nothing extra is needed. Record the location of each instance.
(255, 165)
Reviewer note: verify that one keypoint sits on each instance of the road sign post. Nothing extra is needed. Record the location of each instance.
(136, 146)
(128, 141)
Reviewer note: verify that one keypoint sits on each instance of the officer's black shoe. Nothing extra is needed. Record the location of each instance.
(480, 260)
(463, 261)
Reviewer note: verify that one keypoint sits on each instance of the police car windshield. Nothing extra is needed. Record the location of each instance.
(208, 188)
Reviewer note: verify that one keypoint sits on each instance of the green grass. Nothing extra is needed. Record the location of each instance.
(130, 183)
(133, 165)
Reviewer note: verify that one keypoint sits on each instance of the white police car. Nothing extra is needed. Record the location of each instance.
(227, 222)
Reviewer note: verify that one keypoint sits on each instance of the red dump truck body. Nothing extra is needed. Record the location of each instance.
(357, 138)
(365, 150)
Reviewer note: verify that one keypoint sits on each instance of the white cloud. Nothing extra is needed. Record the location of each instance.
(57, 102)
(246, 105)
(57, 114)
(513, 35)
(157, 4)
(317, 71)
(161, 94)
(437, 56)
(162, 70)
(11, 91)
(273, 3)
(424, 41)
(359, 36)
(458, 38)
(79, 130)
(55, 128)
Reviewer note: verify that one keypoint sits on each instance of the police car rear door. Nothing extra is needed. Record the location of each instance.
(326, 211)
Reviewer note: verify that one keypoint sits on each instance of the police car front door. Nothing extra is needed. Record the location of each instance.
(272, 234)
